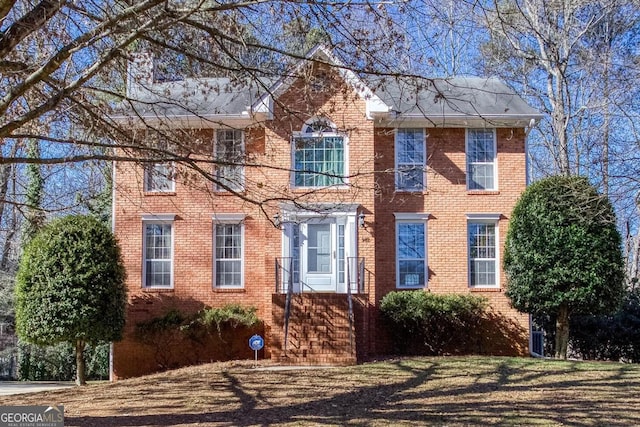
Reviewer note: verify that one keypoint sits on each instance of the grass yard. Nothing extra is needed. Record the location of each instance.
(449, 391)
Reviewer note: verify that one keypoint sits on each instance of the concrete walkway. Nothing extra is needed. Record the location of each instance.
(20, 387)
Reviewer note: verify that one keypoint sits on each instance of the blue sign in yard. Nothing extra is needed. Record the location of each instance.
(256, 343)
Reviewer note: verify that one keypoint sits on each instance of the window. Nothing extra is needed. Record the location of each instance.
(158, 254)
(319, 156)
(228, 253)
(483, 252)
(481, 159)
(410, 159)
(159, 177)
(411, 250)
(230, 157)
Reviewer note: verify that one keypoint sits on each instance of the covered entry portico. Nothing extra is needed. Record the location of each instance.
(320, 249)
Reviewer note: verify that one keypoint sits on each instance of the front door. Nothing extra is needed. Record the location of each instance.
(318, 249)
(318, 256)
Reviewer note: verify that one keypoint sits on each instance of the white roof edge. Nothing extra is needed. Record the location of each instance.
(191, 120)
(374, 104)
(519, 116)
(463, 120)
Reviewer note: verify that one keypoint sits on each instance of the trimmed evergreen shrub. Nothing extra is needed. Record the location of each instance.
(170, 333)
(609, 337)
(425, 323)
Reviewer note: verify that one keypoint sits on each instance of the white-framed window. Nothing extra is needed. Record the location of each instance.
(411, 154)
(228, 250)
(483, 250)
(159, 177)
(319, 155)
(229, 155)
(157, 251)
(411, 250)
(481, 159)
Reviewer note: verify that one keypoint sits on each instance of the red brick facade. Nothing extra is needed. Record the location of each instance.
(195, 205)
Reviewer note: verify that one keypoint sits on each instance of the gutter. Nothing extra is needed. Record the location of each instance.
(206, 121)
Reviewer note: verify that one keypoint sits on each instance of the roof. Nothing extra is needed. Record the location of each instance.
(201, 98)
(459, 101)
(452, 99)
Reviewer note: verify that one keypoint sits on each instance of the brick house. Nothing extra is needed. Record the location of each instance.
(327, 193)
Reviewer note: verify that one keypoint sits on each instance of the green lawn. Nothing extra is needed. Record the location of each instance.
(451, 391)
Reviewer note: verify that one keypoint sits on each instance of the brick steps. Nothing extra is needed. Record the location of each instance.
(319, 331)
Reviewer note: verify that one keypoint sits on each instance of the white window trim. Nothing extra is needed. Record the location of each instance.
(229, 218)
(495, 161)
(412, 218)
(243, 148)
(485, 218)
(145, 180)
(335, 133)
(162, 219)
(424, 162)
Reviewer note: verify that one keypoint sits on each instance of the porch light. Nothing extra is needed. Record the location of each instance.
(361, 220)
(276, 220)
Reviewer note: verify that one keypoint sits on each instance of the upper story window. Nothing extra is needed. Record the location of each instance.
(410, 159)
(229, 157)
(159, 177)
(411, 250)
(481, 159)
(319, 155)
(158, 253)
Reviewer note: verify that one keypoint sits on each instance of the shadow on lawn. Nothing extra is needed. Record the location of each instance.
(498, 395)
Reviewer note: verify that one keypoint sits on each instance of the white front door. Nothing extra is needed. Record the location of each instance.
(319, 249)
(318, 256)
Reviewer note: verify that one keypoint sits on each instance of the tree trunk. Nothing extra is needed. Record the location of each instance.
(80, 366)
(562, 332)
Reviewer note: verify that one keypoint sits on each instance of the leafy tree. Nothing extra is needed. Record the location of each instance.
(563, 253)
(35, 187)
(70, 287)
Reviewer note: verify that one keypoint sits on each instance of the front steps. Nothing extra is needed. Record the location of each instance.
(319, 329)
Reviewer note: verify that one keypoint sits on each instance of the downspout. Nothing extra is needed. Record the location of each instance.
(527, 163)
(527, 179)
(113, 230)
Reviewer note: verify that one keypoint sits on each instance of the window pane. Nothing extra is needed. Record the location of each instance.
(158, 255)
(481, 159)
(482, 254)
(228, 253)
(410, 161)
(410, 146)
(481, 177)
(319, 248)
(411, 254)
(411, 241)
(411, 273)
(159, 177)
(410, 178)
(229, 154)
(319, 162)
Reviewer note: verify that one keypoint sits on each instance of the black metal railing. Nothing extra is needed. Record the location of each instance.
(355, 274)
(287, 274)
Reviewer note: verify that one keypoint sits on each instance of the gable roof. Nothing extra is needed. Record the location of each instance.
(394, 101)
